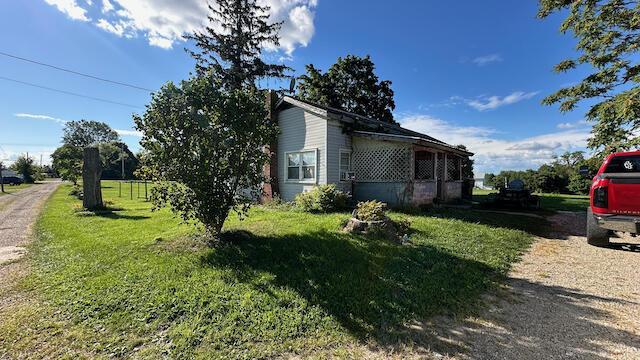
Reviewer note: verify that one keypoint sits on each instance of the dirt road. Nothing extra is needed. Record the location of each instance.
(18, 212)
(564, 300)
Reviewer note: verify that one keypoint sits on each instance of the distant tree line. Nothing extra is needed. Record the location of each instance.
(559, 176)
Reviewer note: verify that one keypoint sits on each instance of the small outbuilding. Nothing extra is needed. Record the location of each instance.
(369, 158)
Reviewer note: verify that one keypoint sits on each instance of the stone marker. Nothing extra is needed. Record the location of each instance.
(91, 173)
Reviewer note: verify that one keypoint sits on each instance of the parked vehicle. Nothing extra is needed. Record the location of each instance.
(516, 195)
(615, 198)
(12, 180)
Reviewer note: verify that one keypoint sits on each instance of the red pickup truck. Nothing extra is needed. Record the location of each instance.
(615, 198)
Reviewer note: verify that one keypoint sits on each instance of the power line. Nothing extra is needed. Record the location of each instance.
(76, 72)
(70, 93)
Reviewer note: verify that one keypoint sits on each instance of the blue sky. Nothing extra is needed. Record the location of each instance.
(468, 72)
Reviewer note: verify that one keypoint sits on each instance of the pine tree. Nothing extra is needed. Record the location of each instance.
(229, 48)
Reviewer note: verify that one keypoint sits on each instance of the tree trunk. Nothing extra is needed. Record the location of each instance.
(91, 173)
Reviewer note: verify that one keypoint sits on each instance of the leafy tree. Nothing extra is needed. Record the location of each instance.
(25, 166)
(111, 155)
(229, 48)
(67, 162)
(467, 165)
(579, 185)
(351, 85)
(608, 34)
(490, 179)
(205, 148)
(67, 159)
(88, 132)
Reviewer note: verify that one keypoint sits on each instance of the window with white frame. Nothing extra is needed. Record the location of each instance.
(345, 164)
(302, 165)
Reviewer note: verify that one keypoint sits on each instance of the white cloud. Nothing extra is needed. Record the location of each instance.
(116, 29)
(70, 8)
(10, 153)
(572, 125)
(165, 22)
(124, 132)
(107, 6)
(487, 59)
(492, 153)
(40, 117)
(494, 102)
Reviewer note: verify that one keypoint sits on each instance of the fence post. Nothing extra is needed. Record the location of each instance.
(119, 188)
(145, 190)
(131, 190)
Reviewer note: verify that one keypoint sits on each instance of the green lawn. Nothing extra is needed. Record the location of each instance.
(135, 283)
(10, 189)
(552, 202)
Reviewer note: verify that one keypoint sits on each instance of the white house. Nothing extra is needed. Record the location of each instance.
(369, 158)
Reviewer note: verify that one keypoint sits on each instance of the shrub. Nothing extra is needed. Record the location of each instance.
(76, 191)
(323, 198)
(373, 210)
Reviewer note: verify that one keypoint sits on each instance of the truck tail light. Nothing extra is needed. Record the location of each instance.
(601, 197)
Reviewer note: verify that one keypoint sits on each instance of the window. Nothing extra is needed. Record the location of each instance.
(424, 165)
(624, 164)
(301, 166)
(345, 164)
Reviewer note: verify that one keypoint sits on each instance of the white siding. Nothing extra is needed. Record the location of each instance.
(336, 140)
(300, 130)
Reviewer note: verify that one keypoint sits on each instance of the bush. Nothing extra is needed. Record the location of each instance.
(323, 198)
(373, 210)
(76, 191)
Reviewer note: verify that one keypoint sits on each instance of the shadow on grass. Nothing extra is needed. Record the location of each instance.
(371, 286)
(537, 226)
(111, 213)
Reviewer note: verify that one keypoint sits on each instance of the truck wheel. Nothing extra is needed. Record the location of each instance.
(596, 235)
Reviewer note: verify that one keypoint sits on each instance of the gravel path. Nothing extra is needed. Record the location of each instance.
(18, 212)
(564, 300)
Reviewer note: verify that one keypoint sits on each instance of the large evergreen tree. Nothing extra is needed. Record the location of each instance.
(229, 48)
(351, 85)
(608, 34)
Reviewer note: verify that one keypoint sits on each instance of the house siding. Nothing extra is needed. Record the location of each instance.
(300, 130)
(336, 140)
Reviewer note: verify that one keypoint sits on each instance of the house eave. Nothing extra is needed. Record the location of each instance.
(415, 140)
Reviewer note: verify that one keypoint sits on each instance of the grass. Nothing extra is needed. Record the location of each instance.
(10, 189)
(132, 283)
(549, 202)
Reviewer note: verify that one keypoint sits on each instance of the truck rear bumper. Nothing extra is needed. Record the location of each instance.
(624, 223)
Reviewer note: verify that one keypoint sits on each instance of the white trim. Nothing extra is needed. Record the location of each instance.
(300, 172)
(340, 152)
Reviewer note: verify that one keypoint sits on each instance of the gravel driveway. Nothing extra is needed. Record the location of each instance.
(564, 300)
(18, 212)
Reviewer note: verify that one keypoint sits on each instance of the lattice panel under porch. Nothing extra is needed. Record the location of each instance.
(424, 165)
(381, 164)
(453, 168)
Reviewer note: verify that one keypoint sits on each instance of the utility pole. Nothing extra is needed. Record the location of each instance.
(122, 158)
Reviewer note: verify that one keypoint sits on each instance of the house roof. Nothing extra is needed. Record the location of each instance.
(374, 128)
